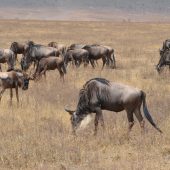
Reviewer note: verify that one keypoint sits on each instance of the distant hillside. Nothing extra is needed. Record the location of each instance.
(159, 6)
(117, 10)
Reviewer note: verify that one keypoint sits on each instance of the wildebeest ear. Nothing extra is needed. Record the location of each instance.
(69, 111)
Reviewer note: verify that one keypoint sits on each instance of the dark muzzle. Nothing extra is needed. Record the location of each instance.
(25, 85)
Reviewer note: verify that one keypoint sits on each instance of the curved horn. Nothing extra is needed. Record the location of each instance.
(69, 111)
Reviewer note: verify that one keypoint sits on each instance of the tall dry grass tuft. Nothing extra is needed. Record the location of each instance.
(37, 134)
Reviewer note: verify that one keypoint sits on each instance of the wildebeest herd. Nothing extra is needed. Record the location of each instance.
(96, 95)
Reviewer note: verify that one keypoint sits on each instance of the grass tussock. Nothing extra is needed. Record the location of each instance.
(37, 134)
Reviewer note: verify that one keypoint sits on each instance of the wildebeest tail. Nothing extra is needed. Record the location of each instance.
(147, 114)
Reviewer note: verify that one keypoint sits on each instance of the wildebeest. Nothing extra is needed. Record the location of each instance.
(77, 56)
(35, 52)
(50, 63)
(61, 47)
(111, 57)
(13, 79)
(100, 94)
(164, 60)
(97, 52)
(81, 46)
(7, 56)
(19, 48)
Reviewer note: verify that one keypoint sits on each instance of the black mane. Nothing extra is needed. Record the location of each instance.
(101, 80)
(82, 105)
(85, 94)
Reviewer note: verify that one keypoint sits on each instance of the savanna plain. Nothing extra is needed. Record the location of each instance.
(36, 134)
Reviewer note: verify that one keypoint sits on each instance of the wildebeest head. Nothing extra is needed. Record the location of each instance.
(26, 57)
(14, 46)
(25, 82)
(28, 44)
(28, 49)
(81, 112)
(25, 63)
(76, 119)
(162, 60)
(24, 79)
(161, 51)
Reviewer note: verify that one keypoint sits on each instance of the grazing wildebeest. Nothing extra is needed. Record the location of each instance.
(61, 47)
(97, 52)
(35, 52)
(13, 79)
(19, 48)
(7, 56)
(100, 94)
(50, 63)
(77, 56)
(164, 60)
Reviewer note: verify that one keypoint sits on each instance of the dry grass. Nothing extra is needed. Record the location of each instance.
(37, 134)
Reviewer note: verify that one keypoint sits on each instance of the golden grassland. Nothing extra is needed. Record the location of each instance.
(37, 133)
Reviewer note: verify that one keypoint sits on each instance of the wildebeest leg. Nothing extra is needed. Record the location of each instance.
(16, 59)
(16, 89)
(11, 96)
(45, 74)
(0, 68)
(130, 119)
(43, 71)
(92, 63)
(104, 61)
(96, 121)
(140, 118)
(114, 61)
(1, 93)
(9, 66)
(102, 121)
(86, 62)
(99, 116)
(77, 64)
(110, 59)
(35, 64)
(61, 73)
(97, 63)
